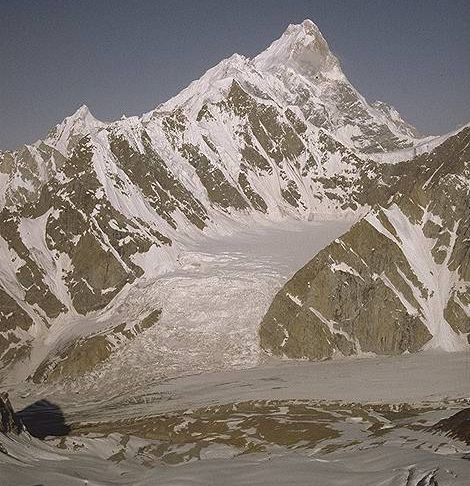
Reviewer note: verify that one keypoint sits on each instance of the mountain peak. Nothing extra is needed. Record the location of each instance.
(81, 122)
(82, 112)
(308, 26)
(301, 47)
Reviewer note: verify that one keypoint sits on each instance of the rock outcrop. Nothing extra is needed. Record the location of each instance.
(9, 422)
(399, 280)
(457, 426)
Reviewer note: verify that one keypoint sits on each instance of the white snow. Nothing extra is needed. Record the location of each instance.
(213, 289)
(302, 48)
(3, 186)
(437, 279)
(344, 267)
(33, 235)
(294, 299)
(78, 124)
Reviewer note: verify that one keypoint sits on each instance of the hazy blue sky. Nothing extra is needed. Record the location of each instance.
(128, 56)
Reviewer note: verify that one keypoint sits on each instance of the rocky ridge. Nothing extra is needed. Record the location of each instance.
(400, 277)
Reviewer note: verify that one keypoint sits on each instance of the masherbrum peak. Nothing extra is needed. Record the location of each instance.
(303, 48)
(299, 70)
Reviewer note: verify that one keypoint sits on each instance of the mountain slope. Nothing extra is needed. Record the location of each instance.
(400, 277)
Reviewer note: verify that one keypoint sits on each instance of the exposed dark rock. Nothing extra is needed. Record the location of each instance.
(457, 426)
(82, 211)
(9, 421)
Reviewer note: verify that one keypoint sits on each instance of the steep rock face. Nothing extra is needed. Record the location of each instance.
(15, 322)
(8, 420)
(302, 61)
(398, 280)
(67, 250)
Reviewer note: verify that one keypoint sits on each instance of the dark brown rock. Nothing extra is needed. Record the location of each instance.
(457, 426)
(9, 421)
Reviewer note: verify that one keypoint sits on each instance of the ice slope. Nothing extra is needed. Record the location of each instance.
(196, 359)
(299, 70)
(437, 277)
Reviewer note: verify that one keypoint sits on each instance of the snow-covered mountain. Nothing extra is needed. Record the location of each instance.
(94, 207)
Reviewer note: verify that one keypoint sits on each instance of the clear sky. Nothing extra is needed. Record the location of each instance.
(128, 56)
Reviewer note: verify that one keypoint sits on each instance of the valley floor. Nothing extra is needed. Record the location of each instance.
(193, 400)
